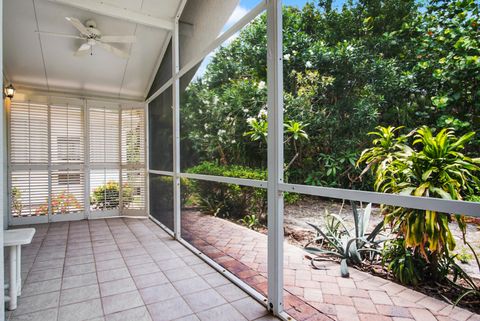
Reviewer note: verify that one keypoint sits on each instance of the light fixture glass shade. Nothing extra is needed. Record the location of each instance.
(9, 91)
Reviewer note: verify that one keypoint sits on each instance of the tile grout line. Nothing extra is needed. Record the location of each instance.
(95, 264)
(63, 271)
(213, 288)
(169, 281)
(126, 266)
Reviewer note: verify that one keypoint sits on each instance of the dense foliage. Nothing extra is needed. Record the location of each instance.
(429, 165)
(229, 200)
(346, 70)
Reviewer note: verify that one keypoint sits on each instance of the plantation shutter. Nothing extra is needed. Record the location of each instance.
(133, 182)
(29, 192)
(29, 134)
(28, 159)
(133, 158)
(104, 135)
(67, 158)
(67, 137)
(104, 158)
(133, 136)
(48, 166)
(67, 191)
(104, 189)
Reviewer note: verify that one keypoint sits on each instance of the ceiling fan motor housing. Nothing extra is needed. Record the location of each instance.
(91, 26)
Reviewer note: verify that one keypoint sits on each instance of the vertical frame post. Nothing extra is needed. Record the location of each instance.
(49, 166)
(120, 170)
(275, 155)
(86, 159)
(176, 128)
(146, 120)
(7, 218)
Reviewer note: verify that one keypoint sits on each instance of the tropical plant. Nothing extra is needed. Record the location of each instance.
(431, 166)
(352, 247)
(294, 134)
(407, 266)
(251, 221)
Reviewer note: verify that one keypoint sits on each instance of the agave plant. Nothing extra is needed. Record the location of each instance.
(351, 246)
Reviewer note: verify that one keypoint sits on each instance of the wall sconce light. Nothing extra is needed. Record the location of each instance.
(9, 91)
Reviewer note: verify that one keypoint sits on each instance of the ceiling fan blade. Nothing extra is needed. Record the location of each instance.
(118, 39)
(77, 24)
(115, 51)
(83, 50)
(46, 33)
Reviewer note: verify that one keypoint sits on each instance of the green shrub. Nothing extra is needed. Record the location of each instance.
(291, 198)
(229, 200)
(16, 200)
(473, 198)
(107, 196)
(161, 188)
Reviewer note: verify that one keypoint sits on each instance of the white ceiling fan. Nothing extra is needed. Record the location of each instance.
(93, 37)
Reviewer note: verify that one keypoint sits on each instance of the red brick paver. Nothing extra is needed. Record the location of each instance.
(312, 294)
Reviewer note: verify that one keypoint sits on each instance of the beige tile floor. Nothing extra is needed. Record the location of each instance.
(123, 270)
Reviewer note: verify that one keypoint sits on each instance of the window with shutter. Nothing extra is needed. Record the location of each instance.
(68, 190)
(133, 136)
(104, 135)
(29, 134)
(49, 171)
(67, 134)
(133, 181)
(67, 158)
(133, 158)
(104, 189)
(28, 155)
(29, 193)
(104, 158)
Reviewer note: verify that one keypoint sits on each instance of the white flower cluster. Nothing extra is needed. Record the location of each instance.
(262, 113)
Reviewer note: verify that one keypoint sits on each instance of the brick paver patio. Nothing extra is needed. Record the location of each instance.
(312, 294)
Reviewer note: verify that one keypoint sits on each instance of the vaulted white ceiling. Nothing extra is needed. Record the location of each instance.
(43, 62)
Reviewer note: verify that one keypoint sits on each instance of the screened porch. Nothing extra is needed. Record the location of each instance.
(179, 160)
